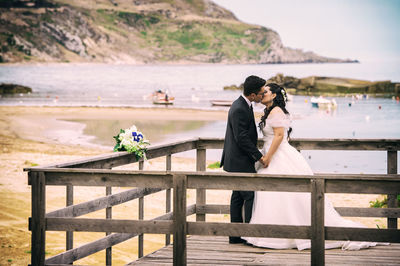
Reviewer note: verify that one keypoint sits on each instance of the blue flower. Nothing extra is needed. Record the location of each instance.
(137, 137)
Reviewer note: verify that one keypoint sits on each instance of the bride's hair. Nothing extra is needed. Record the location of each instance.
(279, 100)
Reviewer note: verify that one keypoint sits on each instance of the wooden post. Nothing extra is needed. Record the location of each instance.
(168, 196)
(180, 226)
(317, 222)
(140, 239)
(392, 199)
(108, 216)
(141, 214)
(201, 192)
(38, 226)
(69, 202)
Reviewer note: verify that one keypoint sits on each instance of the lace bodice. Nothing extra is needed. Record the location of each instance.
(276, 120)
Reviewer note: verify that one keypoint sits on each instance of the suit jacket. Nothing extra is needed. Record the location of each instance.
(240, 145)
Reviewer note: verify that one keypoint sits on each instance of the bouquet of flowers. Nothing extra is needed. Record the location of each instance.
(132, 141)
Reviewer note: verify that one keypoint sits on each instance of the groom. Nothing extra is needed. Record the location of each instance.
(240, 147)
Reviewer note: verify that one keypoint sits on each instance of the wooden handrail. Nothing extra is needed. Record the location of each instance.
(97, 172)
(121, 158)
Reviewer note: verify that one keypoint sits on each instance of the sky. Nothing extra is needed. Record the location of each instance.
(366, 30)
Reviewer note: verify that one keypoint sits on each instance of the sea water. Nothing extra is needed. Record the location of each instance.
(194, 86)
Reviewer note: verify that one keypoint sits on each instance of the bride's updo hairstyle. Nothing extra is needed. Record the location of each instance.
(279, 100)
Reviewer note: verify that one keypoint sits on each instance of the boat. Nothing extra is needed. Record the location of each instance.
(323, 103)
(162, 97)
(221, 103)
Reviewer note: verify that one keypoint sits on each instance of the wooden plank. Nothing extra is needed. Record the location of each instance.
(180, 225)
(319, 144)
(210, 143)
(251, 182)
(168, 167)
(362, 234)
(317, 222)
(168, 162)
(252, 230)
(213, 209)
(109, 161)
(141, 236)
(168, 209)
(392, 198)
(95, 177)
(202, 250)
(96, 162)
(368, 212)
(343, 211)
(90, 248)
(141, 216)
(201, 192)
(38, 224)
(359, 177)
(204, 177)
(108, 216)
(345, 144)
(362, 186)
(172, 148)
(103, 225)
(101, 203)
(100, 244)
(69, 239)
(121, 158)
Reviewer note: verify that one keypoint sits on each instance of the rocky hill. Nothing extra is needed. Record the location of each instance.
(137, 31)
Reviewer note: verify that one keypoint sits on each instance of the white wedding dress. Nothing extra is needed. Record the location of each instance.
(291, 208)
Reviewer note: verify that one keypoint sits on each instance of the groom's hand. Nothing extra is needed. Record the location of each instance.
(264, 161)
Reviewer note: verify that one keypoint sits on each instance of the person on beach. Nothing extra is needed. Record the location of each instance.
(240, 147)
(288, 208)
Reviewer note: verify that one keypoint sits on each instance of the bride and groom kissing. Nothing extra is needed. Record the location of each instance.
(240, 154)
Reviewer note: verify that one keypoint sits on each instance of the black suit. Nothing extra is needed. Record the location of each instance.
(239, 155)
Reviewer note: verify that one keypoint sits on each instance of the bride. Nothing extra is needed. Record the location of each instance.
(288, 208)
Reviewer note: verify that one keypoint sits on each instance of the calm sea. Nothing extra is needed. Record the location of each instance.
(195, 85)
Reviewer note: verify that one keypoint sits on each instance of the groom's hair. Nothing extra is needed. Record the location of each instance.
(253, 84)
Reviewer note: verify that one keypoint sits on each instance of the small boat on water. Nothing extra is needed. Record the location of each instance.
(162, 97)
(323, 103)
(221, 103)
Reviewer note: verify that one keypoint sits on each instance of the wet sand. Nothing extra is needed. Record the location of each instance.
(32, 136)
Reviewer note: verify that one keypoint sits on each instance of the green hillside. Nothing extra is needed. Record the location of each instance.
(138, 31)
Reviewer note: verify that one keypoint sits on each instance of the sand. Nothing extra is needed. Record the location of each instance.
(31, 136)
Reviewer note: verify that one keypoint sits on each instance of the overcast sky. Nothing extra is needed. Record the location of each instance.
(366, 30)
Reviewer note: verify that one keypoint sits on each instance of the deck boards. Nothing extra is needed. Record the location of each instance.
(215, 250)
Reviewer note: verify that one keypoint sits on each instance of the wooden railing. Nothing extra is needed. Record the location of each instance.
(97, 172)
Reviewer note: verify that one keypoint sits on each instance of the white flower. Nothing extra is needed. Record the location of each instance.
(133, 128)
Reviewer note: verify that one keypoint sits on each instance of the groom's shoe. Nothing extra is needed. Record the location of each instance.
(236, 240)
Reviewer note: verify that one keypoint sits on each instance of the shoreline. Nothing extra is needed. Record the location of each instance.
(57, 125)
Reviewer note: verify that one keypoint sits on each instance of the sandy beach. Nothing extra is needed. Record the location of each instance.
(31, 136)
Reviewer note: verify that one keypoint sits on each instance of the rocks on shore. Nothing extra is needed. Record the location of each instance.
(315, 85)
(234, 87)
(13, 89)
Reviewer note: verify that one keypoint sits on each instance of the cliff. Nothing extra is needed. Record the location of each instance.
(137, 31)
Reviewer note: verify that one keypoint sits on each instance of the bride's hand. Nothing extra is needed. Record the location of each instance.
(264, 161)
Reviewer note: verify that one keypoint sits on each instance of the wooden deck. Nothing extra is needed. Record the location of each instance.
(215, 250)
